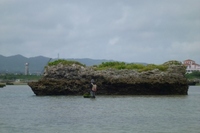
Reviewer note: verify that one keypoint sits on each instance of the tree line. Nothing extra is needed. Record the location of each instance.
(193, 75)
(14, 77)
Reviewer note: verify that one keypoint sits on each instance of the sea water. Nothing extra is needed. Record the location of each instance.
(23, 112)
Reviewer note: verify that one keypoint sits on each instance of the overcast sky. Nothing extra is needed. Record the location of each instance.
(151, 31)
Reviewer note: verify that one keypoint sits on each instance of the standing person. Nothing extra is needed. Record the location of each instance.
(93, 87)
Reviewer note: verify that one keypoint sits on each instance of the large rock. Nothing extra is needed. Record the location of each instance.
(75, 80)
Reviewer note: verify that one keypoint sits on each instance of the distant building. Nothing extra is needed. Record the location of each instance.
(191, 66)
(26, 68)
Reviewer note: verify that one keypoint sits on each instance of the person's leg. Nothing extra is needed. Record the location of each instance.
(94, 94)
(91, 93)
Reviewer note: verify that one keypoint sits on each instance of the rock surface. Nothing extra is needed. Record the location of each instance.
(75, 80)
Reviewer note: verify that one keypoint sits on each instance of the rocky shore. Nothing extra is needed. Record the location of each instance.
(2, 85)
(75, 80)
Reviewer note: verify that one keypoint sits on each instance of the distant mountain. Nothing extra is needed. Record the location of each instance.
(16, 63)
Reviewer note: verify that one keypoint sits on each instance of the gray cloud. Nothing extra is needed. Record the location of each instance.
(129, 30)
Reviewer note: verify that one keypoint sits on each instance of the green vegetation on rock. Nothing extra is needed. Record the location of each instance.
(64, 62)
(120, 65)
(130, 66)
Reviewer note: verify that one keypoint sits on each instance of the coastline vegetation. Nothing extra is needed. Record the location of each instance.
(13, 77)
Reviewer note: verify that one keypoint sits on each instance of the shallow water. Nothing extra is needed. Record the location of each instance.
(23, 112)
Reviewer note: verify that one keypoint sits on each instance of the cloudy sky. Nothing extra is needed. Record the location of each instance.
(151, 31)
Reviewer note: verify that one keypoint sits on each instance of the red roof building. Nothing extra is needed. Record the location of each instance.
(191, 66)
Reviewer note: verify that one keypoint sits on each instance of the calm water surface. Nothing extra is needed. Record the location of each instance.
(23, 112)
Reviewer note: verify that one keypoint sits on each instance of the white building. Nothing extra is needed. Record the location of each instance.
(191, 66)
(27, 69)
